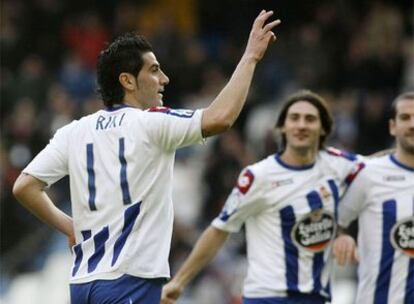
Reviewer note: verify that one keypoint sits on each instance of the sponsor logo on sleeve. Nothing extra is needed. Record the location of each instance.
(314, 231)
(402, 236)
(245, 181)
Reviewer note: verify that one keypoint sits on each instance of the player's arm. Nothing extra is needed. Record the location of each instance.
(350, 207)
(224, 110)
(29, 191)
(203, 252)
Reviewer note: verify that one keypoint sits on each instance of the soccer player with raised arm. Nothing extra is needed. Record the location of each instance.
(382, 198)
(288, 203)
(120, 164)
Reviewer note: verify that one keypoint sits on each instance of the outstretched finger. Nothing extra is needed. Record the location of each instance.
(261, 19)
(271, 25)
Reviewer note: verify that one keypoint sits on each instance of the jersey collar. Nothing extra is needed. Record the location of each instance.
(400, 164)
(292, 167)
(117, 107)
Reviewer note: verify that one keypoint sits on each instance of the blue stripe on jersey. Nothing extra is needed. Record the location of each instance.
(335, 193)
(287, 216)
(409, 287)
(124, 182)
(130, 216)
(99, 239)
(317, 271)
(314, 200)
(91, 176)
(315, 203)
(389, 214)
(86, 234)
(78, 258)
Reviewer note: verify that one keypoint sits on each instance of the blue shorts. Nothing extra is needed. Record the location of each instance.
(291, 299)
(125, 290)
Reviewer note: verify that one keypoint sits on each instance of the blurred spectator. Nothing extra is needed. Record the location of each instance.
(77, 80)
(227, 157)
(372, 121)
(86, 36)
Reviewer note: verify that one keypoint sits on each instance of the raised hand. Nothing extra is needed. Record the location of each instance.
(261, 35)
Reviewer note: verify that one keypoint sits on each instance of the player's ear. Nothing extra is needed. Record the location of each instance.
(127, 81)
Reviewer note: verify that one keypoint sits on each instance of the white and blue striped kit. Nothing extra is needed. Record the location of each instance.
(290, 217)
(120, 164)
(382, 198)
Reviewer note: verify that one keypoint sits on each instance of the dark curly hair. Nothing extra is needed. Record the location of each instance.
(124, 55)
(317, 101)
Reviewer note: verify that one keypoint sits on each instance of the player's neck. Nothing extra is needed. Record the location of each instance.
(131, 101)
(404, 157)
(299, 157)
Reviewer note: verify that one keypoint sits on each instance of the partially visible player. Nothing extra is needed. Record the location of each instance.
(382, 198)
(288, 204)
(120, 164)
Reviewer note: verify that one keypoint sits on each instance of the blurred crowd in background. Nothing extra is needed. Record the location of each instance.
(357, 54)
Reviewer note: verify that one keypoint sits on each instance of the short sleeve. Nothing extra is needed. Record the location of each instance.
(353, 200)
(346, 164)
(246, 199)
(172, 129)
(51, 164)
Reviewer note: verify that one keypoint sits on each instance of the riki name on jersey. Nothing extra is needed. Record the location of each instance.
(112, 121)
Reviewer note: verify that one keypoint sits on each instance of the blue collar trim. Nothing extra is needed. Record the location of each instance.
(117, 107)
(292, 167)
(400, 164)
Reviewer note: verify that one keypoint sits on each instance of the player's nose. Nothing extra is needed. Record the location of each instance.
(164, 79)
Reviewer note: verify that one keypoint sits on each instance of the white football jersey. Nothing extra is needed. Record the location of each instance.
(382, 197)
(290, 219)
(120, 166)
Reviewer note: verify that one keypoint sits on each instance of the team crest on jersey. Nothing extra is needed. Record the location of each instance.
(245, 181)
(402, 236)
(324, 193)
(314, 231)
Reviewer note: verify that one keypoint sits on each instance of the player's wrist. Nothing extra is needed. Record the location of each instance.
(249, 59)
